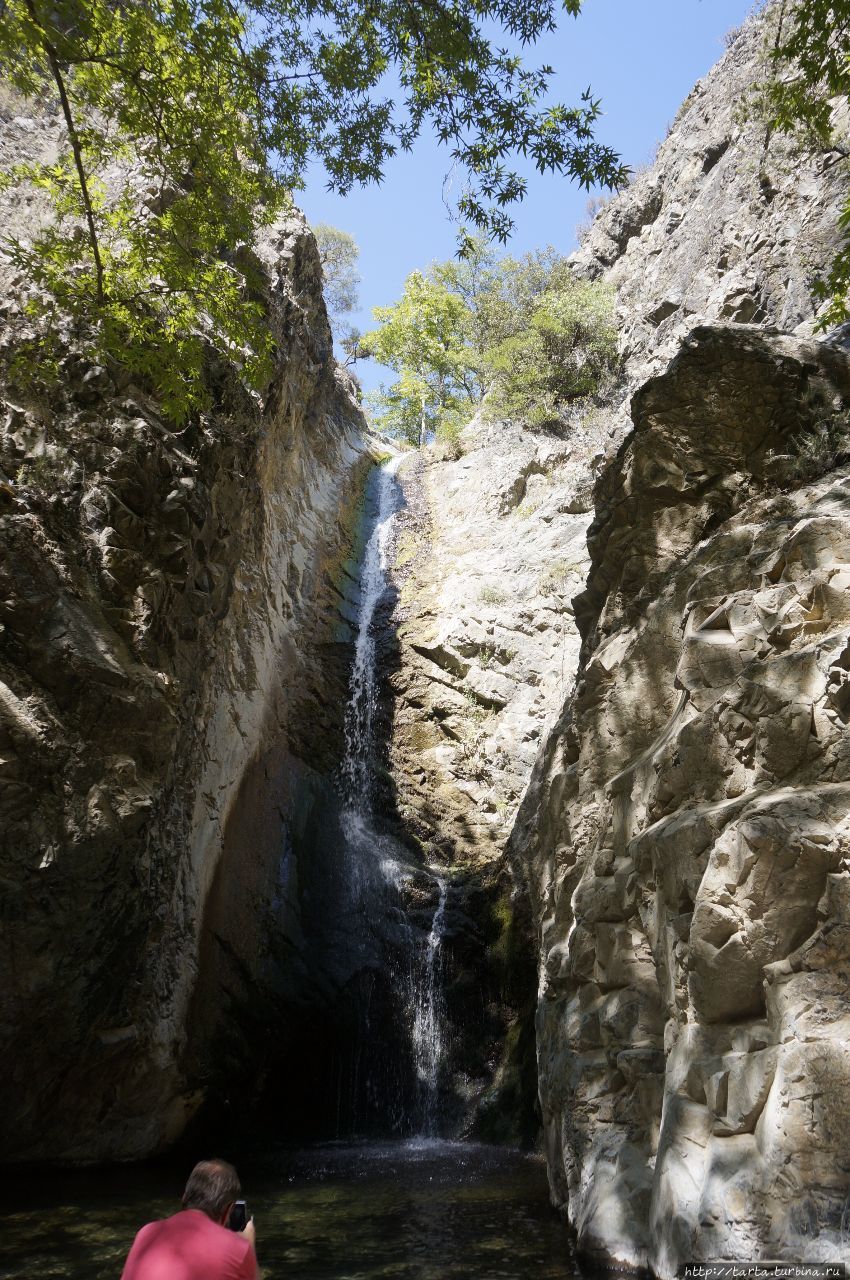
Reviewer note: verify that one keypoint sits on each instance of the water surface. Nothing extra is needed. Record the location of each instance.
(420, 1210)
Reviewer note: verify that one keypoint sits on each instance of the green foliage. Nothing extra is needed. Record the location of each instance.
(161, 87)
(339, 254)
(38, 473)
(810, 77)
(213, 109)
(449, 433)
(422, 337)
(500, 292)
(814, 452)
(522, 332)
(567, 351)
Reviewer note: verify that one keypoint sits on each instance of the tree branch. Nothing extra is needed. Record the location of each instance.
(74, 139)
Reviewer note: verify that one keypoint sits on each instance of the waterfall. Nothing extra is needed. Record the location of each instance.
(428, 1045)
(377, 866)
(357, 774)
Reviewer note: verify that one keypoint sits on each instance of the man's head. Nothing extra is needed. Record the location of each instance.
(213, 1187)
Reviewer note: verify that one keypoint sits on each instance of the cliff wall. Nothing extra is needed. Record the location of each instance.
(728, 223)
(684, 830)
(173, 667)
(686, 826)
(491, 549)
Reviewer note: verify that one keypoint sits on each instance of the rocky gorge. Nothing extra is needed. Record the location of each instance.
(170, 626)
(607, 778)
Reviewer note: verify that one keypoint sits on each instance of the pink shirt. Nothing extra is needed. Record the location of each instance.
(189, 1246)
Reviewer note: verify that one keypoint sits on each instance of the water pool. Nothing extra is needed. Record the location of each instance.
(419, 1210)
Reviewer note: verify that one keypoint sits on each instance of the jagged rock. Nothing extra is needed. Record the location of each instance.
(488, 550)
(687, 835)
(171, 682)
(727, 223)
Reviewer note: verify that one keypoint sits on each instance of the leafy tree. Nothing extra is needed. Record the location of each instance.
(187, 121)
(565, 352)
(339, 254)
(423, 338)
(810, 78)
(156, 90)
(501, 293)
(522, 334)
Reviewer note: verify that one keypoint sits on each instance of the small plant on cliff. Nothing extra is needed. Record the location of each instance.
(188, 121)
(555, 579)
(813, 452)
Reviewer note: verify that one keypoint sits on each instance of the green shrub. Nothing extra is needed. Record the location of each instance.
(813, 452)
(567, 352)
(448, 434)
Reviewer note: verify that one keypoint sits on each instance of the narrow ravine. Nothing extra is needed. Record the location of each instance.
(438, 809)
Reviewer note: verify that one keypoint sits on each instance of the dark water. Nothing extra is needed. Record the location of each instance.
(424, 1210)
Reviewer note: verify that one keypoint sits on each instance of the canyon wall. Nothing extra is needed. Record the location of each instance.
(686, 826)
(174, 659)
(684, 833)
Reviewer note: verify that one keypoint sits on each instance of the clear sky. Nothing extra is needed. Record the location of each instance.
(641, 57)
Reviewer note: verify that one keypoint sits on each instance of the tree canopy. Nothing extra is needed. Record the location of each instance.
(565, 351)
(339, 254)
(523, 336)
(189, 121)
(423, 338)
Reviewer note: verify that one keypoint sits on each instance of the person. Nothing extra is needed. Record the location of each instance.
(195, 1244)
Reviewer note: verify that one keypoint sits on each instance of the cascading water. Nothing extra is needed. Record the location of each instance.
(357, 775)
(376, 865)
(428, 1045)
(358, 762)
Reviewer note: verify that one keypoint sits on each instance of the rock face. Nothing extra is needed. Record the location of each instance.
(686, 829)
(489, 548)
(478, 642)
(172, 670)
(727, 224)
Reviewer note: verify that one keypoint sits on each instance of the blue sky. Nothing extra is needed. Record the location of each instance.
(641, 57)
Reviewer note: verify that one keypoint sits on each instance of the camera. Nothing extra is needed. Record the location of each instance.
(238, 1219)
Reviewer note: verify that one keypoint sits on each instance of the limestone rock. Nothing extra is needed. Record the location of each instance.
(489, 549)
(726, 224)
(172, 657)
(686, 830)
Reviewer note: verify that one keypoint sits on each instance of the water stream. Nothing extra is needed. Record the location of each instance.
(358, 771)
(428, 1047)
(378, 867)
